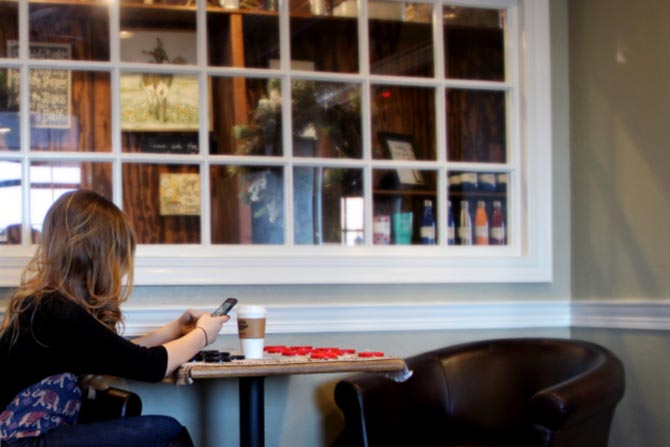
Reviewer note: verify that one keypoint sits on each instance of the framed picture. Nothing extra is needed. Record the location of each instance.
(159, 101)
(50, 88)
(401, 147)
(179, 194)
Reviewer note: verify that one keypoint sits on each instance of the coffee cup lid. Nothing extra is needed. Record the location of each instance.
(247, 309)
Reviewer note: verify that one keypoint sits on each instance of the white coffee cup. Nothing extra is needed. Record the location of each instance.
(251, 329)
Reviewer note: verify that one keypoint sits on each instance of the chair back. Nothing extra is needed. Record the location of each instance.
(490, 383)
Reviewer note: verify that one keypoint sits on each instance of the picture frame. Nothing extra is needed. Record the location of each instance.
(50, 88)
(179, 194)
(401, 147)
(159, 101)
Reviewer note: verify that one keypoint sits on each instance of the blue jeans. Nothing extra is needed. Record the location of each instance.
(139, 431)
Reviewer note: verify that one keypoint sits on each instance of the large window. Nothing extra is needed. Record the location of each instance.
(297, 141)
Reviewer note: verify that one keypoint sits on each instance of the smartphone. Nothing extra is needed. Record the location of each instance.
(225, 307)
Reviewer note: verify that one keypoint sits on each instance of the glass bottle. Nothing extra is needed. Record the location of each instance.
(481, 224)
(465, 225)
(469, 181)
(498, 230)
(451, 225)
(487, 182)
(428, 224)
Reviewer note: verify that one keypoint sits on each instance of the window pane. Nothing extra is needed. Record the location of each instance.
(49, 180)
(237, 38)
(401, 38)
(159, 112)
(10, 136)
(70, 110)
(476, 126)
(75, 31)
(246, 113)
(328, 206)
(398, 205)
(9, 28)
(161, 35)
(326, 119)
(478, 202)
(10, 198)
(313, 46)
(474, 42)
(247, 205)
(163, 202)
(408, 112)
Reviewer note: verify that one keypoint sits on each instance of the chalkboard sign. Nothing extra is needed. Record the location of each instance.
(50, 89)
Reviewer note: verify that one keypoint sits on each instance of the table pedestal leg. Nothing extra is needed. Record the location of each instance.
(252, 412)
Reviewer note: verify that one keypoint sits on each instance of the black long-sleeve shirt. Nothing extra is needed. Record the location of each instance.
(64, 337)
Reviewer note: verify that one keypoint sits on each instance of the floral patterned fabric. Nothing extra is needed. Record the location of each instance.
(51, 403)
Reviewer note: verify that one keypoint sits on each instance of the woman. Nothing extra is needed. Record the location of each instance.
(61, 325)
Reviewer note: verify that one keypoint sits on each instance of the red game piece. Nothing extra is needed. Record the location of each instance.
(369, 354)
(275, 349)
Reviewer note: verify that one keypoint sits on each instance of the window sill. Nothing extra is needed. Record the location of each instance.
(254, 265)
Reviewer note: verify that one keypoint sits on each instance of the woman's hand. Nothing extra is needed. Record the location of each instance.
(180, 327)
(205, 330)
(186, 323)
(210, 325)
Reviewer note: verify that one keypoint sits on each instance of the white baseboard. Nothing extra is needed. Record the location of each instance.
(624, 314)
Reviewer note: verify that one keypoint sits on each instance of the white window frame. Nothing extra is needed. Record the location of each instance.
(528, 257)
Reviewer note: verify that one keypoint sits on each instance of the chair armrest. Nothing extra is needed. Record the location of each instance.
(365, 401)
(580, 398)
(111, 403)
(380, 412)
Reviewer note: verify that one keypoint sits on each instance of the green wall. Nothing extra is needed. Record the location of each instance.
(619, 93)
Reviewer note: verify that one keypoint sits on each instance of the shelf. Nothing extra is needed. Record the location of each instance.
(481, 194)
(404, 192)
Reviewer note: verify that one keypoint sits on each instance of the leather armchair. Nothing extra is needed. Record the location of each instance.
(507, 392)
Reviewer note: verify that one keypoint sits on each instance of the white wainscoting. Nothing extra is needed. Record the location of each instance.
(621, 314)
(332, 318)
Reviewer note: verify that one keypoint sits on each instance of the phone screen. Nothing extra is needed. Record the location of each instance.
(225, 307)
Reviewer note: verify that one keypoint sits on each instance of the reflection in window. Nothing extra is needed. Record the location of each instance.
(259, 32)
(62, 26)
(247, 204)
(48, 183)
(50, 180)
(254, 107)
(312, 36)
(476, 125)
(9, 109)
(474, 43)
(401, 38)
(329, 115)
(352, 220)
(323, 211)
(10, 198)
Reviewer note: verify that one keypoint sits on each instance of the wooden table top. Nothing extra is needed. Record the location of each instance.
(274, 366)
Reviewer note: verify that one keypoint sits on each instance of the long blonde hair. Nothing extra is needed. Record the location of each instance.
(86, 248)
